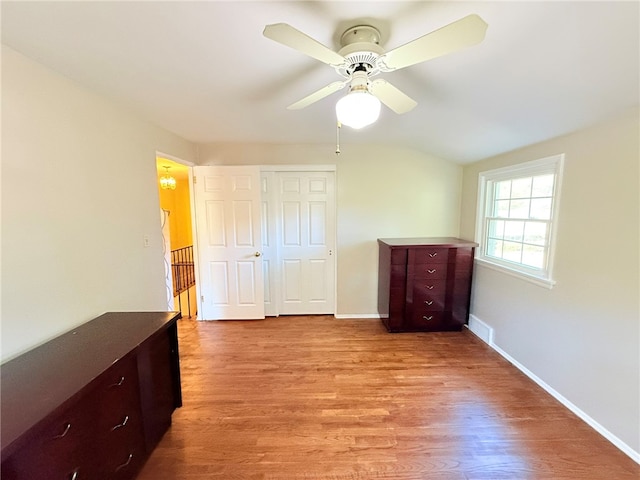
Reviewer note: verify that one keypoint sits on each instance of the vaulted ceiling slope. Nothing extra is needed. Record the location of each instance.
(205, 71)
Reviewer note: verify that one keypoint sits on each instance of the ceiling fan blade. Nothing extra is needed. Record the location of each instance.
(319, 95)
(393, 98)
(289, 36)
(460, 34)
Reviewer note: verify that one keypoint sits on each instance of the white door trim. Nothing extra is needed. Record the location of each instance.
(298, 168)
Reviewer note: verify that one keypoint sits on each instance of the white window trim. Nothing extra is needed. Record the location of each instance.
(543, 165)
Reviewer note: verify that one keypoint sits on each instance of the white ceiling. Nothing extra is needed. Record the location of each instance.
(204, 71)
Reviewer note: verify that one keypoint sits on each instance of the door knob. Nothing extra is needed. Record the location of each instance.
(257, 254)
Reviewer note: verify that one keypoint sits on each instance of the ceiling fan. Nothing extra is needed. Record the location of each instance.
(361, 57)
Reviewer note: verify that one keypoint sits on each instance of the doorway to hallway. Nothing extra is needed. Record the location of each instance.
(175, 204)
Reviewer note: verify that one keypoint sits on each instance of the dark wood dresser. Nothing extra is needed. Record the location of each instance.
(424, 284)
(93, 402)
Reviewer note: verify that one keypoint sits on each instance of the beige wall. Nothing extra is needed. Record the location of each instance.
(582, 337)
(79, 194)
(381, 192)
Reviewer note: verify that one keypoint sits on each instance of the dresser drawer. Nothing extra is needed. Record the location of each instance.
(59, 449)
(423, 271)
(434, 255)
(429, 303)
(427, 321)
(119, 393)
(424, 288)
(122, 448)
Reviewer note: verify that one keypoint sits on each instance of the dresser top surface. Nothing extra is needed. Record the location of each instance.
(41, 380)
(450, 242)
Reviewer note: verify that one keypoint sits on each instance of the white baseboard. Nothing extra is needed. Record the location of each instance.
(347, 316)
(485, 332)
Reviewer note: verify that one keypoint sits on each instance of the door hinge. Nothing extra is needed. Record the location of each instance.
(202, 298)
(195, 180)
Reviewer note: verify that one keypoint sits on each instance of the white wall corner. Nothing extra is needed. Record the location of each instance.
(485, 332)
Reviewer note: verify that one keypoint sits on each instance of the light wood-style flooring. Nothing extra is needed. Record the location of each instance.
(313, 397)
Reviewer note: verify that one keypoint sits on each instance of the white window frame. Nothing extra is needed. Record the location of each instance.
(553, 164)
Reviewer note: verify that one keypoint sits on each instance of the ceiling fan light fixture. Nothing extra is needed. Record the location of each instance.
(358, 109)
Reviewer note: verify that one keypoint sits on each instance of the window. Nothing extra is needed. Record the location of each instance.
(517, 216)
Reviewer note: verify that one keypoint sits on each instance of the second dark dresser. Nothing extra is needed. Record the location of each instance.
(92, 403)
(424, 284)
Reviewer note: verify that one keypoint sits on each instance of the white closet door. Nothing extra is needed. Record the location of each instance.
(306, 242)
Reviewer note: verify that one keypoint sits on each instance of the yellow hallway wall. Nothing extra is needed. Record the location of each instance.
(177, 203)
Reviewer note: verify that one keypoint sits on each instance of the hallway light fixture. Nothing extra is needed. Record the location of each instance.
(167, 182)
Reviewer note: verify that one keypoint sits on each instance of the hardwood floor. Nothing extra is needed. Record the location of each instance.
(319, 398)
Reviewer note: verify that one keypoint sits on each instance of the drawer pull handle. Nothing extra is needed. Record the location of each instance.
(120, 425)
(66, 430)
(432, 270)
(428, 318)
(429, 287)
(433, 254)
(119, 383)
(429, 302)
(74, 475)
(125, 463)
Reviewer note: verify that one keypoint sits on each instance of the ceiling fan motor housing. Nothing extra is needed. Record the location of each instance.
(361, 49)
(360, 33)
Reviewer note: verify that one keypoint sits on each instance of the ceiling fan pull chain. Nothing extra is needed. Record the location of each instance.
(338, 125)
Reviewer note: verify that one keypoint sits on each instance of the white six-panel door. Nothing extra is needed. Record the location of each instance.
(228, 242)
(306, 242)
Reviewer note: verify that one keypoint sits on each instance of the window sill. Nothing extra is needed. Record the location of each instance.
(541, 282)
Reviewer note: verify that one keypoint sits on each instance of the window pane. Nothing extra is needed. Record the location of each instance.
(512, 251)
(494, 248)
(543, 185)
(501, 208)
(496, 228)
(541, 208)
(535, 232)
(514, 231)
(503, 189)
(519, 209)
(521, 188)
(533, 256)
